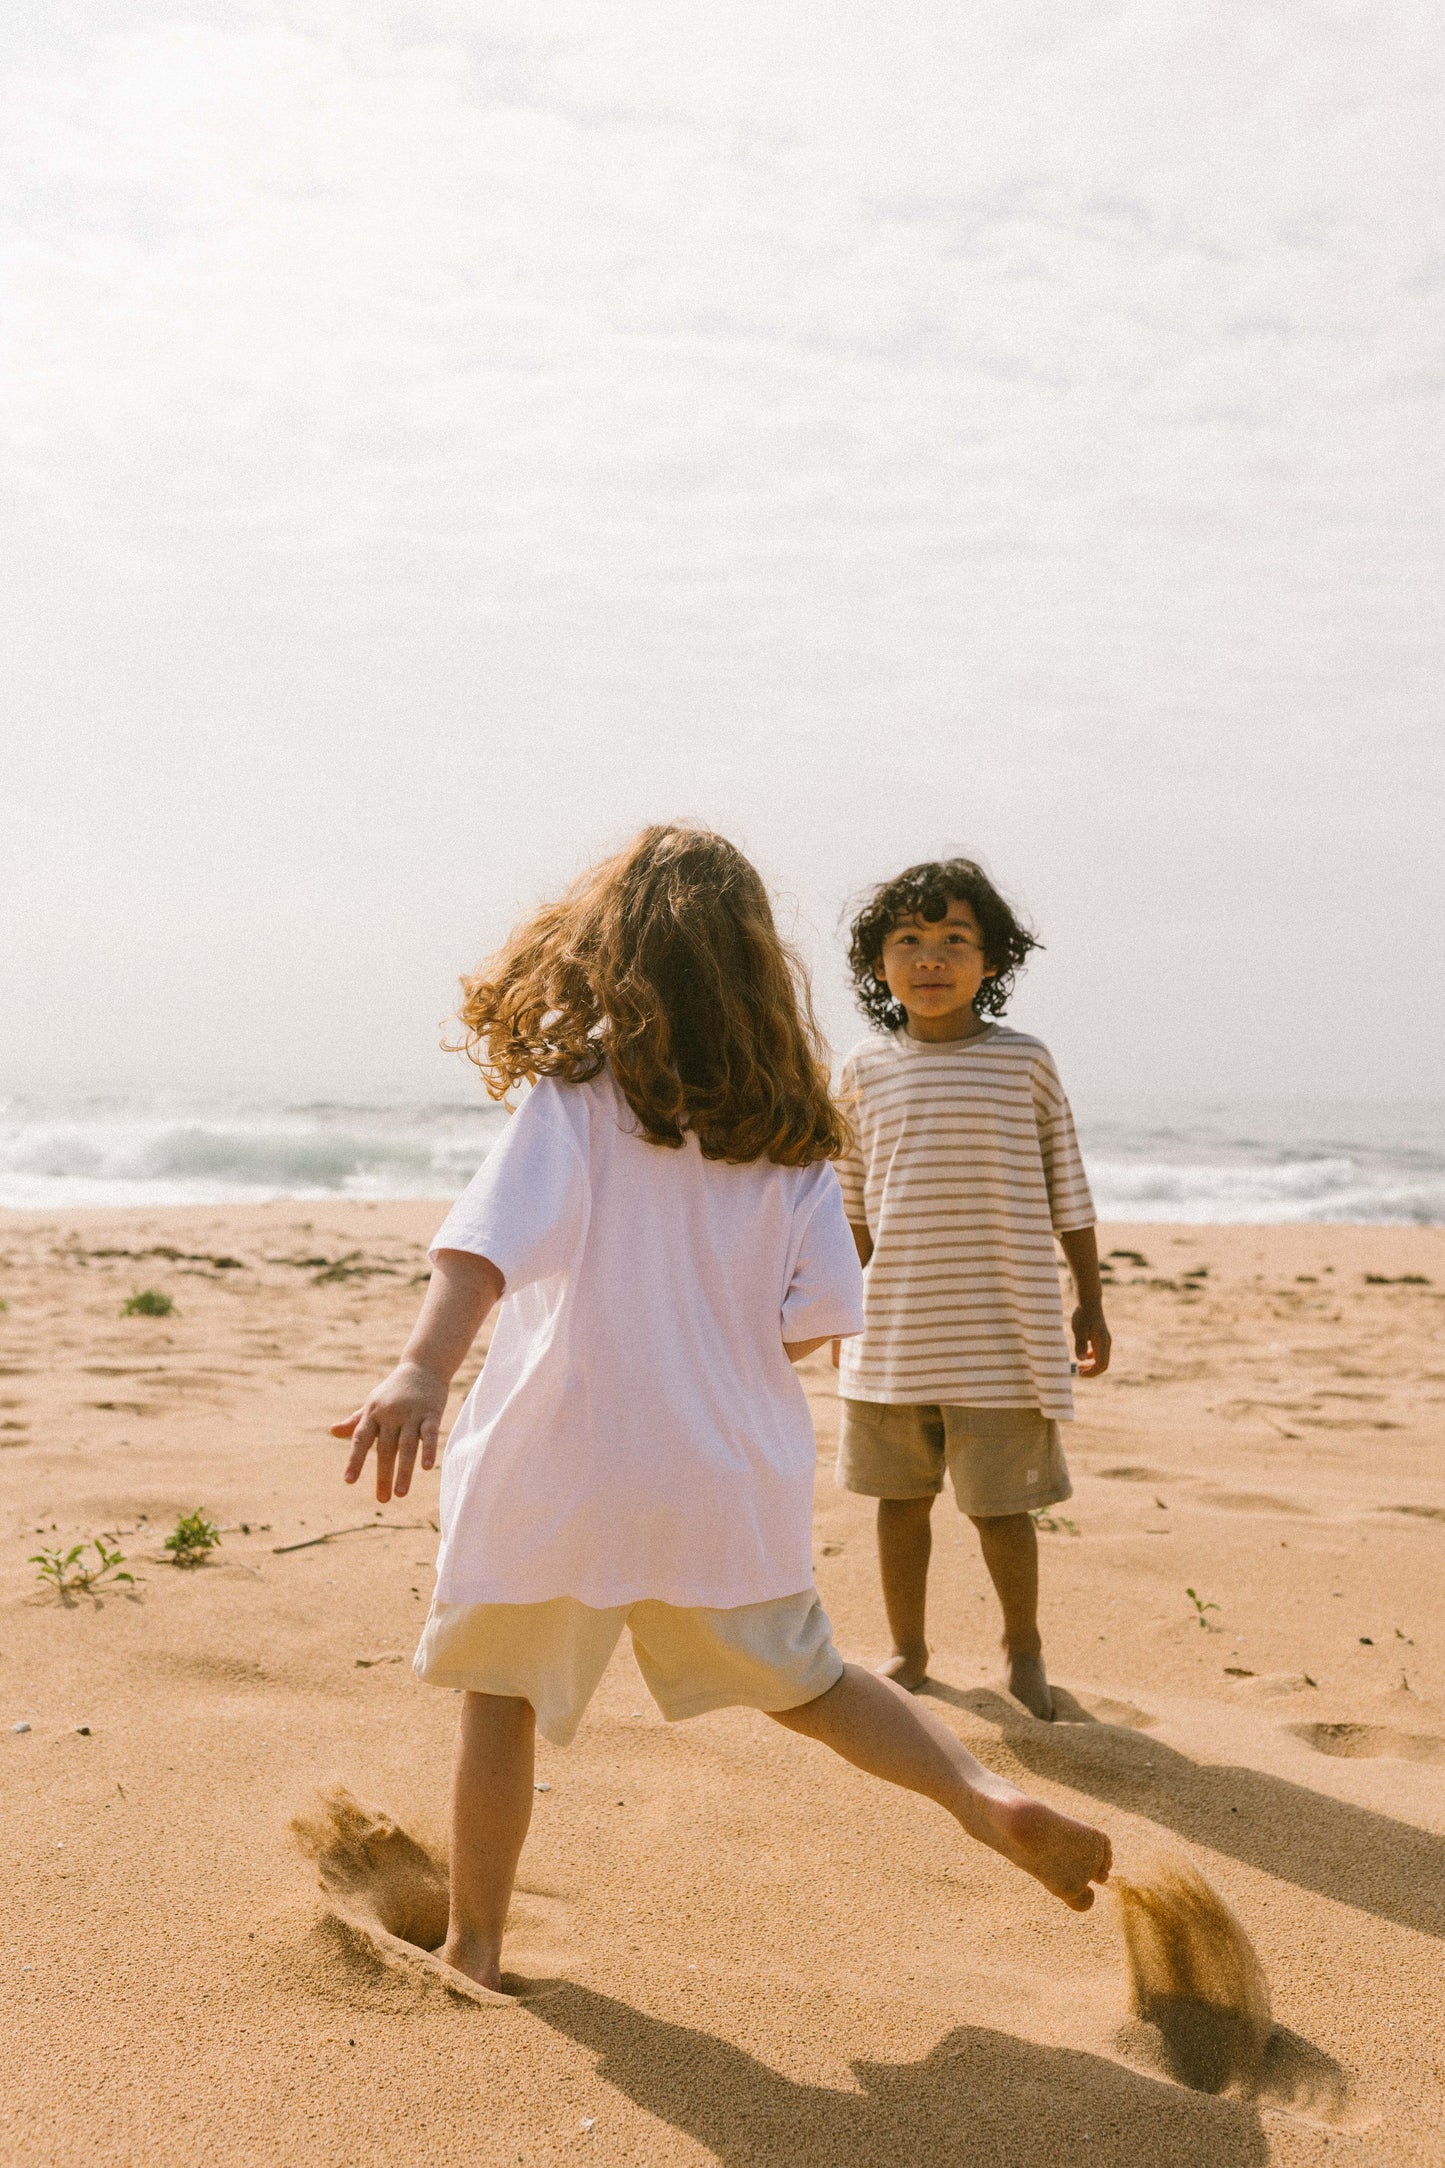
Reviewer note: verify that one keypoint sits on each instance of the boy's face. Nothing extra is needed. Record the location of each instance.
(933, 968)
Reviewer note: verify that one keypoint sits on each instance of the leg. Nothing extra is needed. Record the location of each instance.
(876, 1727)
(905, 1544)
(491, 1810)
(1010, 1545)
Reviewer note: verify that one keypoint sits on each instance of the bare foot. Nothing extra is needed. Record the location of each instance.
(475, 1959)
(906, 1669)
(1028, 1683)
(1065, 1855)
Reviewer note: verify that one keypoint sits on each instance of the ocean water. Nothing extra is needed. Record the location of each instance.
(1148, 1160)
(1266, 1161)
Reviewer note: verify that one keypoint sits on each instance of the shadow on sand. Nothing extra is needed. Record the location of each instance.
(979, 2096)
(1301, 1836)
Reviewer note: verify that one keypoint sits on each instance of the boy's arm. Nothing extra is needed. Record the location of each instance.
(863, 1243)
(1091, 1334)
(406, 1409)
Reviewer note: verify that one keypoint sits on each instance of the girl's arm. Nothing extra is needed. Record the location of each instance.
(1091, 1334)
(406, 1409)
(795, 1350)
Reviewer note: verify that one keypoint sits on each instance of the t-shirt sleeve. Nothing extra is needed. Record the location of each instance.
(526, 1207)
(824, 1296)
(850, 1163)
(1071, 1205)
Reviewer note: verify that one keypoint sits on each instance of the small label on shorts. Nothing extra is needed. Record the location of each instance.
(1033, 1475)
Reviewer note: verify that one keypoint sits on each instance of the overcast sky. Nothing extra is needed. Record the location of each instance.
(438, 438)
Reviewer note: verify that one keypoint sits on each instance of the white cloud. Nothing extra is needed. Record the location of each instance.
(437, 443)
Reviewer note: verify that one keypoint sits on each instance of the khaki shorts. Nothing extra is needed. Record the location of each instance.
(999, 1460)
(773, 1655)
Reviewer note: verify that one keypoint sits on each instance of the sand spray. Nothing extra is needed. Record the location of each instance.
(1194, 1975)
(1200, 2000)
(384, 1892)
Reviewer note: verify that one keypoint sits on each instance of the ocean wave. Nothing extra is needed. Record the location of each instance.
(109, 1159)
(1324, 1189)
(1245, 1163)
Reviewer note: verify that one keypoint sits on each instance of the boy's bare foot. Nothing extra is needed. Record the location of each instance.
(1028, 1682)
(906, 1668)
(1065, 1855)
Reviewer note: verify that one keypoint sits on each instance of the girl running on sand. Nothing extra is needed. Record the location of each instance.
(664, 1231)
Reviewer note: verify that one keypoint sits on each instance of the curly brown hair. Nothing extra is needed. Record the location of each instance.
(923, 891)
(664, 963)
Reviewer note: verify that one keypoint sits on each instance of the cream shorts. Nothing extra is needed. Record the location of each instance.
(774, 1655)
(999, 1460)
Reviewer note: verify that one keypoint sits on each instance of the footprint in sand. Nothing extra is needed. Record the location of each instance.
(1099, 1709)
(1136, 1475)
(388, 1896)
(1369, 1742)
(1201, 2001)
(1251, 1502)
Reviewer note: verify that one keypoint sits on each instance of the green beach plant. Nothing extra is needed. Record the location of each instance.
(63, 1571)
(1200, 1607)
(150, 1302)
(192, 1539)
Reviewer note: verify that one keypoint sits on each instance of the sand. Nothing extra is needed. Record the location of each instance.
(742, 1950)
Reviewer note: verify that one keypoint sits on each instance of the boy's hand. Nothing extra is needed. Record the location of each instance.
(404, 1412)
(1091, 1342)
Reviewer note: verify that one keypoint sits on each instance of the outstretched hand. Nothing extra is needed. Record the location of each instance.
(403, 1413)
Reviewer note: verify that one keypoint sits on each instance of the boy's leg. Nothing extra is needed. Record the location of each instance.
(1010, 1545)
(876, 1727)
(491, 1811)
(905, 1544)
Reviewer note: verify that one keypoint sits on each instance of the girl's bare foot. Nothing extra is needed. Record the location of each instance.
(906, 1668)
(475, 1959)
(1028, 1682)
(1065, 1855)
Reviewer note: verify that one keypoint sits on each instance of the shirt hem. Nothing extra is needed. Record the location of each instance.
(950, 1395)
(674, 1594)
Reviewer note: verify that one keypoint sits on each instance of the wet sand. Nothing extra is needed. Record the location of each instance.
(747, 1952)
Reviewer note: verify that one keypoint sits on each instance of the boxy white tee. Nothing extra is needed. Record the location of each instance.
(636, 1430)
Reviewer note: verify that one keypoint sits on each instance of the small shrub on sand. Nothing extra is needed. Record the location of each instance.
(1200, 1606)
(192, 1539)
(63, 1571)
(150, 1302)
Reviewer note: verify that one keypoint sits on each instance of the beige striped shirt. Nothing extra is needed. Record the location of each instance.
(964, 1167)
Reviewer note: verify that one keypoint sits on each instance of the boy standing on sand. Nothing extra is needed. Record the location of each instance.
(963, 1170)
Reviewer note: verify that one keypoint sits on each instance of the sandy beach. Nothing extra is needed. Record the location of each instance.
(743, 1951)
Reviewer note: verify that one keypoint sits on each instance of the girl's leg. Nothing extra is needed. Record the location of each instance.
(905, 1544)
(874, 1725)
(1010, 1545)
(491, 1811)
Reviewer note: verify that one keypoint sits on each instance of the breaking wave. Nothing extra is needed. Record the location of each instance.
(1225, 1163)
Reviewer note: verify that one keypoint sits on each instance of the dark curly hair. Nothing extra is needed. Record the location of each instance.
(665, 964)
(923, 892)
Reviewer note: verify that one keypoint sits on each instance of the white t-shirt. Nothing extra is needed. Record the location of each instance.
(637, 1430)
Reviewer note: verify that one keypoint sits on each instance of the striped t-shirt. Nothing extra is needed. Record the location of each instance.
(964, 1167)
